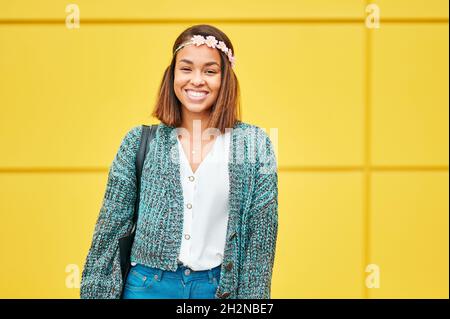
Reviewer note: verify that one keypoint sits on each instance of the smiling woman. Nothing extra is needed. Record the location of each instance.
(207, 224)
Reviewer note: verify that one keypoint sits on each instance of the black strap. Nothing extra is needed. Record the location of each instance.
(148, 133)
(126, 242)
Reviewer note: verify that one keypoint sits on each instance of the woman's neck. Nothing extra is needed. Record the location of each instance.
(195, 123)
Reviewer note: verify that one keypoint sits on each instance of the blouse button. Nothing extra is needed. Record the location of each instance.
(187, 236)
(189, 205)
(191, 178)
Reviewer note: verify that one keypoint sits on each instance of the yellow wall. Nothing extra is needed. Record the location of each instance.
(362, 118)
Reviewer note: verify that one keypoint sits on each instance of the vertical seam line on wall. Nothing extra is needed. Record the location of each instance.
(367, 154)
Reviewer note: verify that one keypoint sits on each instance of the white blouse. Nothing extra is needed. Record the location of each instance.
(206, 206)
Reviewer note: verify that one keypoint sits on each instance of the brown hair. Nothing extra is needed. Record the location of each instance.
(225, 111)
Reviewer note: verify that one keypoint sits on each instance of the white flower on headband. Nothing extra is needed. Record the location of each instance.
(232, 61)
(198, 40)
(222, 46)
(231, 58)
(211, 42)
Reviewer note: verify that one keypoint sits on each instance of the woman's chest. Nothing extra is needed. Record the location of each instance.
(203, 158)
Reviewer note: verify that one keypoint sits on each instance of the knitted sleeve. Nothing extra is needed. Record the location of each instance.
(101, 275)
(262, 226)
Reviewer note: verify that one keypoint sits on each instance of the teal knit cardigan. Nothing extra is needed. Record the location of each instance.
(246, 270)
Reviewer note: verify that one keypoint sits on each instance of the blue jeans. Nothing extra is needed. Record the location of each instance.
(152, 283)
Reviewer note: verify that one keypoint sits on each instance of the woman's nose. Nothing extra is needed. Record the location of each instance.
(198, 79)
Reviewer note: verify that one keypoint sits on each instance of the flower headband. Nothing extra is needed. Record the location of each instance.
(212, 43)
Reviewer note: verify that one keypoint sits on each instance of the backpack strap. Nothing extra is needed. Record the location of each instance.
(148, 133)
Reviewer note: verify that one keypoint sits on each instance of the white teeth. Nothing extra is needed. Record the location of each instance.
(196, 94)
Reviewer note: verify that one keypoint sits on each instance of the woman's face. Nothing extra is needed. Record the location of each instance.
(197, 77)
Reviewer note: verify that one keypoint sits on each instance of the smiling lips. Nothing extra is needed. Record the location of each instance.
(196, 95)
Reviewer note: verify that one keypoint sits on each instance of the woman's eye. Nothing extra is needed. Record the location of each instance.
(209, 71)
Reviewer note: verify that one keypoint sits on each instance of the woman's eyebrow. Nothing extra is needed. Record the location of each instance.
(207, 63)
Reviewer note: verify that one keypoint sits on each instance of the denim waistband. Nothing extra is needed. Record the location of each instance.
(182, 272)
